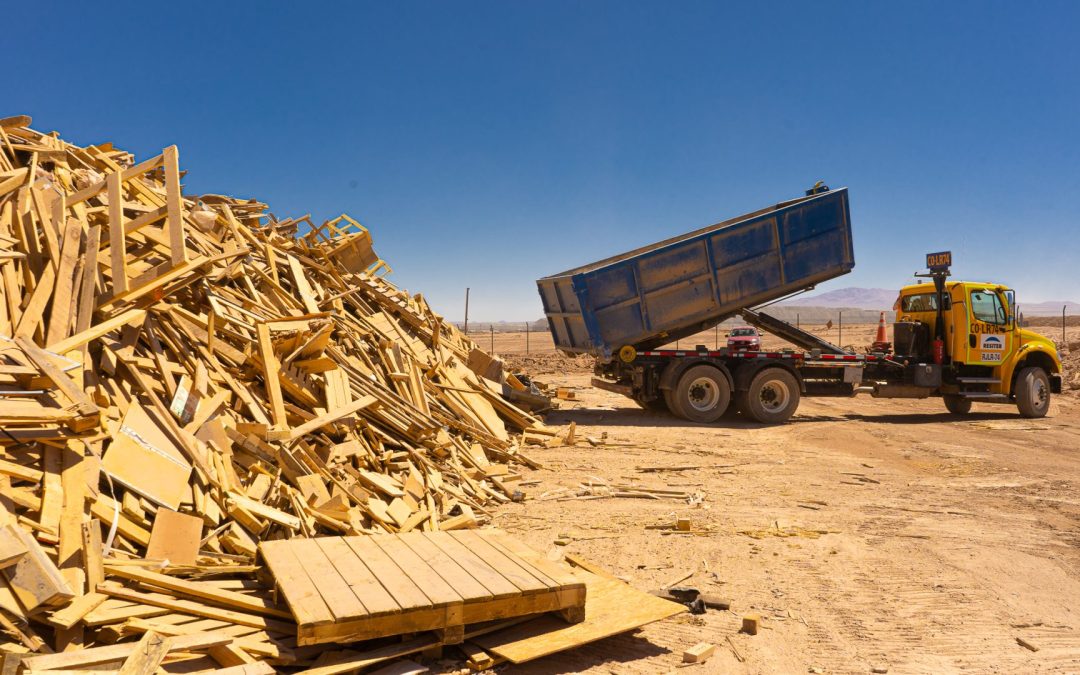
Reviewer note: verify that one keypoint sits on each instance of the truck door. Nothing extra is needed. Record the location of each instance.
(989, 340)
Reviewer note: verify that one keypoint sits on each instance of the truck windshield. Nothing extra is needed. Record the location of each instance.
(742, 332)
(923, 302)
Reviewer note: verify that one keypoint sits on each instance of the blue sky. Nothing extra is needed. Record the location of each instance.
(489, 144)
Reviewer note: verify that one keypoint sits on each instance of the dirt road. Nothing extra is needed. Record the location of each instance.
(867, 534)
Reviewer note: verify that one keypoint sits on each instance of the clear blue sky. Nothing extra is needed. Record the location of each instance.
(487, 144)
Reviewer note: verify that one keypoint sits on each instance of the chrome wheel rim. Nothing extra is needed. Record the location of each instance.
(1039, 393)
(775, 396)
(703, 394)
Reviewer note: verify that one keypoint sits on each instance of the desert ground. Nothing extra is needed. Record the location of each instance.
(869, 535)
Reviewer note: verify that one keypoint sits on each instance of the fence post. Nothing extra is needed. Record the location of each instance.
(840, 339)
(492, 326)
(526, 337)
(466, 311)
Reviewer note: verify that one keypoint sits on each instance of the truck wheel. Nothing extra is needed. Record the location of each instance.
(701, 395)
(1032, 392)
(957, 405)
(772, 397)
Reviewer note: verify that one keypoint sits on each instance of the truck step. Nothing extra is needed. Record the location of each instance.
(978, 380)
(984, 396)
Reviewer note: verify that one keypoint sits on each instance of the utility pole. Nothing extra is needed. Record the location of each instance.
(840, 339)
(492, 326)
(526, 337)
(466, 311)
(1063, 325)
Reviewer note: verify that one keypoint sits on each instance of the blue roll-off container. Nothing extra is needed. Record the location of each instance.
(677, 287)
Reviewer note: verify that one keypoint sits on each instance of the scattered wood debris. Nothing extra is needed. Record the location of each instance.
(699, 653)
(185, 377)
(750, 624)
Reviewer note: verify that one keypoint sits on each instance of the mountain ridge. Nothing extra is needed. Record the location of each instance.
(855, 297)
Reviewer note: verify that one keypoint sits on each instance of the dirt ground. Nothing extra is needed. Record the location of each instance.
(866, 534)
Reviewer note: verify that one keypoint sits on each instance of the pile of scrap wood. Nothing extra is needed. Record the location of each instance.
(182, 378)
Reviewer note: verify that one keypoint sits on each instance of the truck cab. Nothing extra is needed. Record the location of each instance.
(986, 355)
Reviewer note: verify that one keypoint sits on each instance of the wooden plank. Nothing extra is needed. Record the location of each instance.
(197, 590)
(79, 608)
(300, 591)
(332, 416)
(406, 593)
(20, 472)
(170, 603)
(258, 668)
(339, 597)
(60, 317)
(34, 579)
(438, 591)
(462, 582)
(303, 288)
(65, 384)
(11, 550)
(357, 575)
(498, 585)
(52, 491)
(505, 565)
(516, 572)
(174, 221)
(148, 655)
(92, 553)
(105, 509)
(558, 574)
(117, 242)
(33, 311)
(96, 655)
(73, 484)
(88, 285)
(271, 371)
(98, 330)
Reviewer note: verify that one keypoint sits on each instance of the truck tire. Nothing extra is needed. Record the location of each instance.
(1032, 391)
(772, 397)
(702, 394)
(957, 405)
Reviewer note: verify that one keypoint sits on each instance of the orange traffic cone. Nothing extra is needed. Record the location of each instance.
(881, 341)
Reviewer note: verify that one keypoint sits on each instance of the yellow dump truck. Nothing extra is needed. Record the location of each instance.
(956, 340)
(969, 331)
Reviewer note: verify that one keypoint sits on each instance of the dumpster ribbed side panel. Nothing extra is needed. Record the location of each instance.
(686, 284)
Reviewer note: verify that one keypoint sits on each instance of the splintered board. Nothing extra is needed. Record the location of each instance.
(614, 607)
(342, 589)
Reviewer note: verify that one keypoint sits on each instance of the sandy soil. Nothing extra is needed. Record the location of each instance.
(867, 534)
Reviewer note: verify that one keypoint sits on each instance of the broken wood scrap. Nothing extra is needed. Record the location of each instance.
(184, 377)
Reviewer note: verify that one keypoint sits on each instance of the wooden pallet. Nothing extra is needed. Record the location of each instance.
(342, 589)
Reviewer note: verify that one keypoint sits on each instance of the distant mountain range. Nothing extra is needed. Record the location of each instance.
(855, 298)
(883, 299)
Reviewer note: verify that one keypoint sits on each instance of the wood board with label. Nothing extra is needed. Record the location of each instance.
(143, 458)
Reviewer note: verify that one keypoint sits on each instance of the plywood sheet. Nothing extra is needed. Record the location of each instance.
(613, 607)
